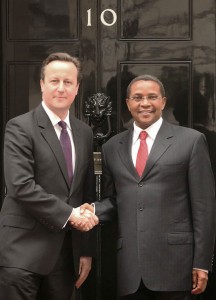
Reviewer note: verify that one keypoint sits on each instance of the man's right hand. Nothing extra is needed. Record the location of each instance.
(86, 206)
(83, 220)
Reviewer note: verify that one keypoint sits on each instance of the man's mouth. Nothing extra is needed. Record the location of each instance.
(145, 112)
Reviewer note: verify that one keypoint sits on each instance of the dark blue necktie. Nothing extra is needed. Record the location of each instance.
(67, 150)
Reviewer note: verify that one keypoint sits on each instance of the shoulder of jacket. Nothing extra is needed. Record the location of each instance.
(21, 118)
(117, 138)
(185, 130)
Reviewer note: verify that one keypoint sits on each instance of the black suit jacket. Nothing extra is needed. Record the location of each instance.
(39, 200)
(166, 218)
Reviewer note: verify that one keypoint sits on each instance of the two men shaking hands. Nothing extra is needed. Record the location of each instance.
(83, 217)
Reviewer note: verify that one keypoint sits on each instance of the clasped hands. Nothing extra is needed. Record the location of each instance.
(83, 217)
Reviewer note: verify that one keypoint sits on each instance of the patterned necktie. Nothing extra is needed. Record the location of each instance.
(67, 150)
(142, 154)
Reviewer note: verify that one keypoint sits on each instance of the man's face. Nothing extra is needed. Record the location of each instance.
(147, 111)
(59, 87)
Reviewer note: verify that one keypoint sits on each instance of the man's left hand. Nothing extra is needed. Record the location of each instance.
(84, 269)
(200, 279)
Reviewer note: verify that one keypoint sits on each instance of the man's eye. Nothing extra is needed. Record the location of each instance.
(68, 82)
(137, 98)
(152, 97)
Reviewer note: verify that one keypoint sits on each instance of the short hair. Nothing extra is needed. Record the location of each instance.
(61, 56)
(146, 77)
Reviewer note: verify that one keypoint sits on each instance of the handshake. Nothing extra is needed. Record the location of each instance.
(83, 217)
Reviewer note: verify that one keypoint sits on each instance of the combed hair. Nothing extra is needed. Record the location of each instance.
(61, 56)
(146, 77)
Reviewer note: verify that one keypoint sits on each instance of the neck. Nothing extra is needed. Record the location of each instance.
(61, 115)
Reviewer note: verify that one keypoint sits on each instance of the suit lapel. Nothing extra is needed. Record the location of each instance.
(49, 134)
(78, 148)
(125, 152)
(162, 142)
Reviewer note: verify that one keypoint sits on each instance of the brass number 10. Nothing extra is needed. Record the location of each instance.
(102, 17)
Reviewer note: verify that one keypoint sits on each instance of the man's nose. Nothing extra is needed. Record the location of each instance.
(144, 101)
(61, 86)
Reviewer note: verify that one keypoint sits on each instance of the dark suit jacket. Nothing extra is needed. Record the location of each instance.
(39, 200)
(166, 218)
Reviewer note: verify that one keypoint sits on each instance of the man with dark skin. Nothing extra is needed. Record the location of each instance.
(166, 214)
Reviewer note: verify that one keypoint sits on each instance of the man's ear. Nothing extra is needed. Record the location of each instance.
(164, 99)
(127, 102)
(41, 85)
(77, 87)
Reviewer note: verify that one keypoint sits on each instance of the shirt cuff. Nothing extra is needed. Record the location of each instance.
(92, 204)
(200, 270)
(67, 220)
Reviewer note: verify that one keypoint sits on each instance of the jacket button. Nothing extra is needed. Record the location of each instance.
(140, 184)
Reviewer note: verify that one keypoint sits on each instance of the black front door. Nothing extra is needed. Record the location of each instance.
(116, 40)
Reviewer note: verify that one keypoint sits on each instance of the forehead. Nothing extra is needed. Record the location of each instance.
(57, 67)
(145, 86)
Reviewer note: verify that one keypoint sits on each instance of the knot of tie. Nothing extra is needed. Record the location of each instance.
(62, 124)
(143, 135)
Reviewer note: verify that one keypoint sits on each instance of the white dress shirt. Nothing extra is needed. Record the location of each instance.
(54, 120)
(152, 131)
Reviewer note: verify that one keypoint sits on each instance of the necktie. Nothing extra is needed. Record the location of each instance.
(67, 150)
(142, 154)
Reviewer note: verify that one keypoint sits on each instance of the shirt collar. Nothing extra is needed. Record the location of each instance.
(53, 117)
(152, 130)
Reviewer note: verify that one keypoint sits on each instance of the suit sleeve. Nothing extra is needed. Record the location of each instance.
(106, 209)
(89, 239)
(202, 195)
